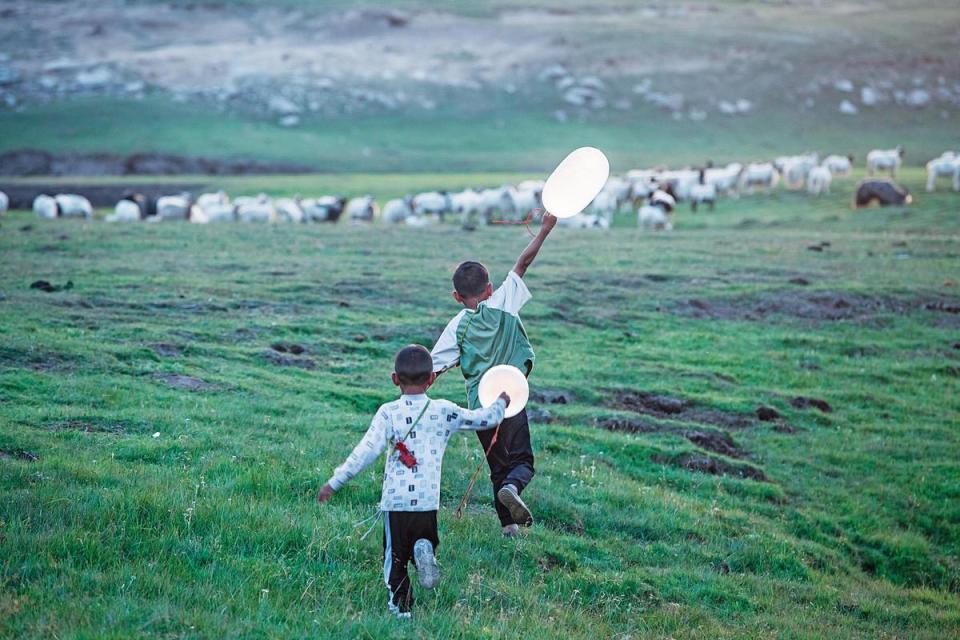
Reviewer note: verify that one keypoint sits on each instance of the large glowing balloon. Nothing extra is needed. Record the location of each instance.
(575, 182)
(500, 378)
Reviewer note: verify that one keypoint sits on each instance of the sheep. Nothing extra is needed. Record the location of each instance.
(323, 209)
(4, 202)
(45, 206)
(655, 214)
(794, 169)
(885, 159)
(839, 165)
(213, 213)
(759, 174)
(703, 194)
(946, 166)
(525, 199)
(585, 221)
(125, 211)
(620, 189)
(726, 179)
(174, 207)
(468, 204)
(207, 200)
(72, 205)
(497, 202)
(819, 179)
(397, 210)
(362, 209)
(883, 192)
(680, 182)
(258, 210)
(435, 203)
(289, 210)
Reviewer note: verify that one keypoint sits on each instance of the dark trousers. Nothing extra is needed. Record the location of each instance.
(510, 460)
(401, 530)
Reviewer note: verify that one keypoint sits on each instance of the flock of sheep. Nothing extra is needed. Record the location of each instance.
(654, 193)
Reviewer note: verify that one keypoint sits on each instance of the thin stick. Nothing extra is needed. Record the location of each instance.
(526, 221)
(458, 514)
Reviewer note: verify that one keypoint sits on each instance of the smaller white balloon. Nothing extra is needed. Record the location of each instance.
(575, 182)
(504, 377)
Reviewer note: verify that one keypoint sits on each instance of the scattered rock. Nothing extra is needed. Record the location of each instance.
(281, 360)
(767, 414)
(19, 454)
(185, 383)
(43, 285)
(803, 402)
(539, 415)
(551, 396)
(167, 350)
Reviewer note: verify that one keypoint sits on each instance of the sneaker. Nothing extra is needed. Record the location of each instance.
(428, 573)
(510, 498)
(511, 531)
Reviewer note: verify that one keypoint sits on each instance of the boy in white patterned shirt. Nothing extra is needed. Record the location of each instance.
(416, 430)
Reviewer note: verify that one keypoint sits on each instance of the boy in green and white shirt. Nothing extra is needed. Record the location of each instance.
(486, 333)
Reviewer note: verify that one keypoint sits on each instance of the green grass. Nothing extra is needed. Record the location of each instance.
(211, 529)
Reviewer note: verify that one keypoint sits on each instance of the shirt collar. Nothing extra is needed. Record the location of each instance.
(414, 396)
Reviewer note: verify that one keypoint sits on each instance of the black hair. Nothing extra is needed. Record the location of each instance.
(413, 365)
(470, 279)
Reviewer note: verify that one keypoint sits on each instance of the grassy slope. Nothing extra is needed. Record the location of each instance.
(210, 529)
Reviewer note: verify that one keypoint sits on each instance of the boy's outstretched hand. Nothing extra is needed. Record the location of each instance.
(325, 493)
(526, 257)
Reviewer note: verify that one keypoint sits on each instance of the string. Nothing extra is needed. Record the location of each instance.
(458, 514)
(525, 222)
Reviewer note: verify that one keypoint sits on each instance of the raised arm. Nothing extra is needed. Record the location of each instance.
(480, 419)
(367, 450)
(527, 256)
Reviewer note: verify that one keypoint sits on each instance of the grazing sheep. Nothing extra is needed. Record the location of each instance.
(125, 211)
(759, 174)
(72, 205)
(468, 204)
(605, 205)
(794, 169)
(256, 210)
(432, 203)
(174, 207)
(839, 165)
(946, 166)
(726, 179)
(680, 182)
(818, 180)
(46, 206)
(397, 210)
(884, 160)
(289, 210)
(323, 209)
(619, 189)
(362, 209)
(881, 191)
(497, 203)
(655, 214)
(207, 200)
(4, 202)
(585, 221)
(525, 199)
(703, 193)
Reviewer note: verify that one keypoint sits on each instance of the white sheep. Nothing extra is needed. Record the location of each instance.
(818, 180)
(174, 207)
(4, 202)
(362, 209)
(885, 159)
(323, 209)
(655, 214)
(946, 166)
(795, 169)
(839, 165)
(759, 174)
(45, 206)
(125, 211)
(432, 203)
(397, 210)
(725, 179)
(289, 210)
(497, 203)
(258, 209)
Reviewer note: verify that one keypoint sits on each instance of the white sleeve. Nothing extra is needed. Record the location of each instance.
(366, 451)
(479, 419)
(511, 295)
(446, 353)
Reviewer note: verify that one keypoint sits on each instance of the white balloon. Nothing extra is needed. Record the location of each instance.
(504, 377)
(575, 182)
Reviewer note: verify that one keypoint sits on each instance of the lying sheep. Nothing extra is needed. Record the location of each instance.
(362, 209)
(883, 192)
(397, 210)
(255, 210)
(289, 210)
(174, 207)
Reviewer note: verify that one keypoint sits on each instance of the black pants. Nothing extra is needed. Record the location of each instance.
(510, 460)
(401, 530)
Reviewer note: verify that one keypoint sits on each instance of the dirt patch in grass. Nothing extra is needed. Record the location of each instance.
(672, 408)
(708, 439)
(184, 383)
(822, 306)
(167, 350)
(33, 359)
(19, 454)
(803, 402)
(90, 425)
(288, 347)
(551, 396)
(282, 360)
(713, 466)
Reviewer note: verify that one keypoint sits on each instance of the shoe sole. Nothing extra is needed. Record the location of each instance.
(517, 508)
(428, 573)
